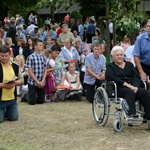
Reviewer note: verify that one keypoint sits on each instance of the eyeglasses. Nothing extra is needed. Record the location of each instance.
(121, 55)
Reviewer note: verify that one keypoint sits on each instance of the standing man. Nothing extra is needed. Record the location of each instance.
(36, 64)
(31, 26)
(90, 31)
(8, 96)
(80, 29)
(94, 63)
(73, 25)
(12, 31)
(142, 53)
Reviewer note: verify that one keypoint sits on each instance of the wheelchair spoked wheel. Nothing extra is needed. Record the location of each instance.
(100, 106)
(117, 125)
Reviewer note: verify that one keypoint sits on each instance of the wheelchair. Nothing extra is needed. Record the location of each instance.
(104, 97)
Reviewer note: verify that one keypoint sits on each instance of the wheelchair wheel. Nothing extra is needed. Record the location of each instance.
(117, 125)
(100, 106)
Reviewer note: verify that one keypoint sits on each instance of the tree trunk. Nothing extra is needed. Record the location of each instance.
(107, 35)
(3, 11)
(114, 33)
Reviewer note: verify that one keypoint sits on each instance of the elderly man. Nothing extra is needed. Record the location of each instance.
(142, 53)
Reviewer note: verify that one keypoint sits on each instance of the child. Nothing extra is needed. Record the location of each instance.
(36, 64)
(74, 82)
(83, 68)
(48, 43)
(59, 72)
(50, 82)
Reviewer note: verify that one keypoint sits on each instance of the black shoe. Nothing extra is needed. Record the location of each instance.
(144, 120)
(133, 116)
(148, 124)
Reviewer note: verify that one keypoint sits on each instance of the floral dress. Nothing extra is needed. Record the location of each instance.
(50, 83)
(58, 72)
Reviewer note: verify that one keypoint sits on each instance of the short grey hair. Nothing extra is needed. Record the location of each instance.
(64, 25)
(116, 48)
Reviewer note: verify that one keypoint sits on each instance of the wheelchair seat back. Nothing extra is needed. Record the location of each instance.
(110, 90)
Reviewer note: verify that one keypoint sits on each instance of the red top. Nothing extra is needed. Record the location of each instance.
(59, 31)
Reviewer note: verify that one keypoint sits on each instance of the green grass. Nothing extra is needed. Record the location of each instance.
(68, 126)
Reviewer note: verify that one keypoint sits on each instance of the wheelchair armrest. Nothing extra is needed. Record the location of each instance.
(144, 84)
(111, 88)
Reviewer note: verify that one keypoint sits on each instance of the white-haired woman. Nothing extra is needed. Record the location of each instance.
(128, 82)
(66, 34)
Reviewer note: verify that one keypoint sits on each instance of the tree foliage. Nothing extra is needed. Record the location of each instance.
(126, 14)
(19, 6)
(54, 3)
(92, 7)
(76, 15)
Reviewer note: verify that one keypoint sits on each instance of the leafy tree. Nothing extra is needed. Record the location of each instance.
(126, 15)
(92, 8)
(17, 6)
(88, 7)
(76, 15)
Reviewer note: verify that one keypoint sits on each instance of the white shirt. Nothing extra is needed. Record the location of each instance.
(52, 63)
(111, 27)
(81, 30)
(129, 53)
(20, 50)
(30, 27)
(69, 52)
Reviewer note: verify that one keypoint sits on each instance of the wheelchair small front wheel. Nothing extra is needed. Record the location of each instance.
(100, 106)
(117, 125)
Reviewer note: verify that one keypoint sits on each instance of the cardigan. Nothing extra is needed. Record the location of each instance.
(128, 74)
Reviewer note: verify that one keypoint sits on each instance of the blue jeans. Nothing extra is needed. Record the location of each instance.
(9, 110)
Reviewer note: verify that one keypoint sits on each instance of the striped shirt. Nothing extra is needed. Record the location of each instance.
(37, 62)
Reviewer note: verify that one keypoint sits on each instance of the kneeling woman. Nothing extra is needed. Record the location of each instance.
(128, 82)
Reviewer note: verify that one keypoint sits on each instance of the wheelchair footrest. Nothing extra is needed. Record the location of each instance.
(134, 121)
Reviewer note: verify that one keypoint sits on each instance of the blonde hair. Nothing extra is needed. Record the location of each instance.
(68, 40)
(72, 62)
(116, 48)
(48, 38)
(126, 40)
(77, 41)
(0, 41)
(46, 53)
(10, 41)
(20, 57)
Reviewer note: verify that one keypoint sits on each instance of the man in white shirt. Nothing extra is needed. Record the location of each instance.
(111, 30)
(31, 26)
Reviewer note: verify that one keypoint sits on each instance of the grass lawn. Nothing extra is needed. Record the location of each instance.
(68, 126)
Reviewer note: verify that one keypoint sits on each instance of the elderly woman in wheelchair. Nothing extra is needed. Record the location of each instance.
(128, 83)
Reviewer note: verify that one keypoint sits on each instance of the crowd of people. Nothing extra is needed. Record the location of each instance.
(67, 64)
